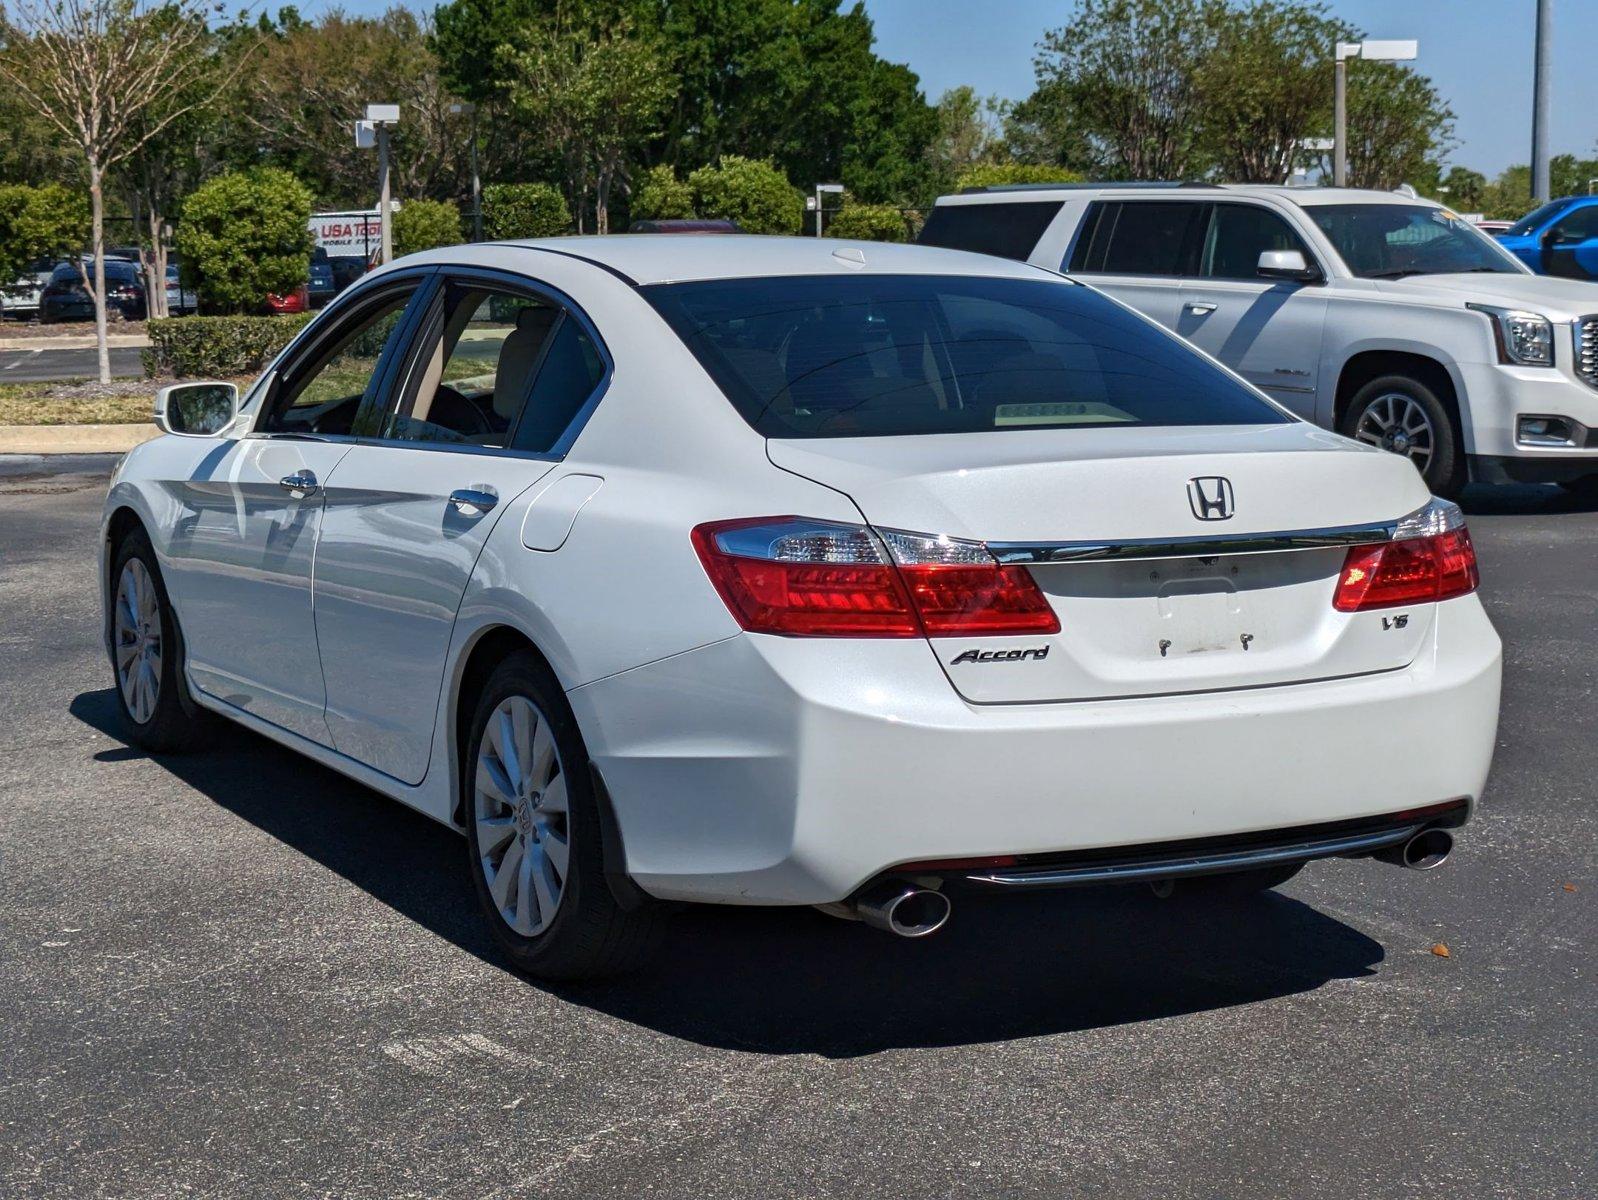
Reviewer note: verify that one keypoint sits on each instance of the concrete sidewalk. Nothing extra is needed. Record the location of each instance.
(74, 439)
(76, 341)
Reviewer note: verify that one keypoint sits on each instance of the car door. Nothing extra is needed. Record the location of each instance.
(241, 554)
(1138, 251)
(497, 382)
(1267, 330)
(1570, 247)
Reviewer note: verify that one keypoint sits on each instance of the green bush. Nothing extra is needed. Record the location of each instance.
(750, 191)
(39, 222)
(217, 347)
(524, 210)
(243, 235)
(869, 223)
(661, 196)
(425, 224)
(999, 174)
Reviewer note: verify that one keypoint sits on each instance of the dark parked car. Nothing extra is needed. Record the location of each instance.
(321, 287)
(66, 299)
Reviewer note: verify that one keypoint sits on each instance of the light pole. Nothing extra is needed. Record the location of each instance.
(1378, 51)
(380, 118)
(469, 109)
(1540, 185)
(828, 189)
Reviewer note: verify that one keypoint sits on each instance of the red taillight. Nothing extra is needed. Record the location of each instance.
(805, 578)
(1409, 571)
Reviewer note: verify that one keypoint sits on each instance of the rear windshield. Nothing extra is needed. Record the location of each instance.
(871, 356)
(1009, 230)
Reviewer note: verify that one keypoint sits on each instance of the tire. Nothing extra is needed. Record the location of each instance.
(1403, 415)
(1239, 884)
(535, 814)
(147, 653)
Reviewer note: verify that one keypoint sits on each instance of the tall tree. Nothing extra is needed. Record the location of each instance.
(1267, 86)
(109, 75)
(311, 81)
(967, 134)
(1125, 73)
(593, 93)
(1399, 127)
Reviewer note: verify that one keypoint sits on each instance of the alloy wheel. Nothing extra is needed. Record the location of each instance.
(137, 630)
(1399, 424)
(521, 815)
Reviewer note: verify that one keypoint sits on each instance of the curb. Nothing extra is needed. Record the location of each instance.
(114, 341)
(74, 439)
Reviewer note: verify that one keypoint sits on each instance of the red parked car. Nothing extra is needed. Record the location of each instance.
(297, 301)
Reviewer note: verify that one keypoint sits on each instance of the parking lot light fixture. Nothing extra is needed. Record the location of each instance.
(828, 189)
(1376, 51)
(380, 118)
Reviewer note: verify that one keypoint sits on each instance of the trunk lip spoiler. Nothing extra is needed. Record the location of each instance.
(1046, 553)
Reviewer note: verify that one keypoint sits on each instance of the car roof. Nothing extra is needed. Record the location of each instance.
(1305, 197)
(647, 258)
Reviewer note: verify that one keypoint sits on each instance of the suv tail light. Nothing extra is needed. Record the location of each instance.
(804, 578)
(1430, 558)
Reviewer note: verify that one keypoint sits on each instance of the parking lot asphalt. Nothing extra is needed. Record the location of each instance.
(46, 365)
(237, 974)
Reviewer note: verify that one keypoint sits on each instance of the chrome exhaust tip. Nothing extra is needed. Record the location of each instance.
(903, 908)
(1425, 851)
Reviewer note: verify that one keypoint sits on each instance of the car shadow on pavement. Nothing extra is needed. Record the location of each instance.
(792, 981)
(1524, 499)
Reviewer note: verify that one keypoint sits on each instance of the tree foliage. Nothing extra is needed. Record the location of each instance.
(752, 192)
(592, 92)
(1266, 85)
(869, 223)
(243, 235)
(43, 222)
(524, 210)
(426, 224)
(999, 174)
(1398, 126)
(661, 196)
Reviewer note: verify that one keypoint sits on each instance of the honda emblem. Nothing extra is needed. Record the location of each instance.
(1210, 497)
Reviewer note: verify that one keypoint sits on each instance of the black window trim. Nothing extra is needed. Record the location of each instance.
(329, 326)
(1310, 258)
(410, 361)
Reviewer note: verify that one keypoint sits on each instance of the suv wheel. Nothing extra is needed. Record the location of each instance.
(1404, 416)
(533, 834)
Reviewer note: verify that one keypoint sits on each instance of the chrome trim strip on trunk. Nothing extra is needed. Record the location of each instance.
(1040, 553)
(1200, 864)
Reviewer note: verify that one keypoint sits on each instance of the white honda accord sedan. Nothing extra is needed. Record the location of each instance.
(785, 571)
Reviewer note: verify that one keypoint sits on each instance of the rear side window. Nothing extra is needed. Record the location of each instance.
(1143, 237)
(864, 356)
(1008, 230)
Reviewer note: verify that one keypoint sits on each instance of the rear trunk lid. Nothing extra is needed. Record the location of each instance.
(1153, 599)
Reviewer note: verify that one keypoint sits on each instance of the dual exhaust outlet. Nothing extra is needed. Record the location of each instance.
(906, 909)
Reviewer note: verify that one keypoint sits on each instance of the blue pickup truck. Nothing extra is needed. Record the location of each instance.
(1560, 238)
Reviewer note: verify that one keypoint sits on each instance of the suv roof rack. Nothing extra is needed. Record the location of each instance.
(1079, 187)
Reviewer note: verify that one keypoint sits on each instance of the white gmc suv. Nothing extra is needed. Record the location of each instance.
(1386, 318)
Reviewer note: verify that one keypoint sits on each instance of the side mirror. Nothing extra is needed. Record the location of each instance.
(196, 409)
(1286, 264)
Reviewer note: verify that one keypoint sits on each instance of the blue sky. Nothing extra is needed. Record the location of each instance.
(1478, 52)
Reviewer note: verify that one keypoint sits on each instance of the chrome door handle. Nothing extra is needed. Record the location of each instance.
(472, 502)
(1200, 307)
(299, 485)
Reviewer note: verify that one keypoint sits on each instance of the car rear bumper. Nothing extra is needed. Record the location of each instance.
(763, 770)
